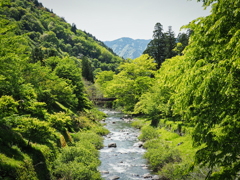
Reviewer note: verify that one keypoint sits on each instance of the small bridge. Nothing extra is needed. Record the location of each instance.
(105, 99)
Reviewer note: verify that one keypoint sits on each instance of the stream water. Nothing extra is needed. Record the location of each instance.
(125, 161)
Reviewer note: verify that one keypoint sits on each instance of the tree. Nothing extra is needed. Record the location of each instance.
(182, 38)
(131, 82)
(37, 55)
(87, 71)
(170, 43)
(74, 28)
(157, 47)
(34, 130)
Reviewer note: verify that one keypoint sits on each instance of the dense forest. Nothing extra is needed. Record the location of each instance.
(44, 105)
(191, 97)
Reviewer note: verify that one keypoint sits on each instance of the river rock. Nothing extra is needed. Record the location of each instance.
(156, 177)
(138, 144)
(103, 120)
(147, 175)
(114, 177)
(114, 122)
(112, 145)
(104, 172)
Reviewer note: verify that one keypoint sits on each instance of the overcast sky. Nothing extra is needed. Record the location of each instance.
(113, 19)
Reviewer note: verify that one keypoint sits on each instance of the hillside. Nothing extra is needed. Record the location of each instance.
(49, 129)
(127, 47)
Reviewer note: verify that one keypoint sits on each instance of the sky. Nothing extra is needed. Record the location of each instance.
(108, 20)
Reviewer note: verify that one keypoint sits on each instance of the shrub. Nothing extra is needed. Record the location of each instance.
(148, 132)
(82, 122)
(89, 146)
(76, 163)
(60, 121)
(92, 137)
(7, 106)
(34, 130)
(159, 154)
(100, 130)
(138, 124)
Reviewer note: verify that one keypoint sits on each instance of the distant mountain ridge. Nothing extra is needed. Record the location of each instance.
(128, 48)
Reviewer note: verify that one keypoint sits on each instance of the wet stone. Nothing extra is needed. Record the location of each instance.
(114, 177)
(148, 175)
(104, 172)
(112, 145)
(156, 177)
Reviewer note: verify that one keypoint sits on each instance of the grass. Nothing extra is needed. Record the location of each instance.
(165, 156)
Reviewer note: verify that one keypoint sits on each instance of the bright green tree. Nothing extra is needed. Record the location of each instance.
(202, 88)
(134, 79)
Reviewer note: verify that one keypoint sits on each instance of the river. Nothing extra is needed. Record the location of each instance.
(126, 160)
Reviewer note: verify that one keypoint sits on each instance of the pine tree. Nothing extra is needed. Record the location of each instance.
(74, 28)
(157, 47)
(170, 43)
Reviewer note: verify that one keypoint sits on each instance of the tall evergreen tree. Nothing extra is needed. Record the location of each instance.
(157, 47)
(74, 28)
(183, 38)
(170, 43)
(87, 72)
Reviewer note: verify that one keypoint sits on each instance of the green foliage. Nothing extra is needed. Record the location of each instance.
(60, 121)
(76, 163)
(7, 106)
(201, 89)
(40, 76)
(163, 44)
(138, 124)
(87, 71)
(148, 133)
(102, 131)
(133, 80)
(34, 130)
(80, 161)
(91, 137)
(159, 154)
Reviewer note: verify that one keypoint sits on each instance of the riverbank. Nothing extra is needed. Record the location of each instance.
(169, 151)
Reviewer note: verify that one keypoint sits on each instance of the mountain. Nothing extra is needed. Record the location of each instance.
(127, 47)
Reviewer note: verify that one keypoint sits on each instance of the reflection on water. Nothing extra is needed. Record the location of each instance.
(126, 160)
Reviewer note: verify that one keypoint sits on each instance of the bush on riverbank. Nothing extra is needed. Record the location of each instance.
(169, 154)
(81, 160)
(138, 124)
